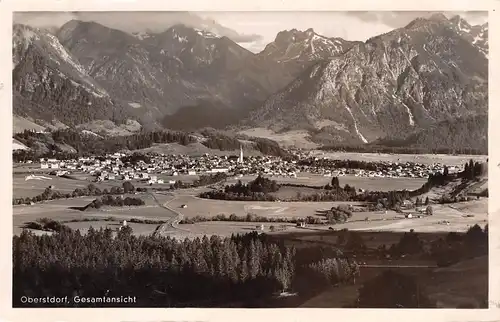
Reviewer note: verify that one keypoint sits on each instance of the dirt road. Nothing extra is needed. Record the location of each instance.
(172, 223)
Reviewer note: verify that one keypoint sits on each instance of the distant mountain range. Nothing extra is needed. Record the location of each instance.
(390, 86)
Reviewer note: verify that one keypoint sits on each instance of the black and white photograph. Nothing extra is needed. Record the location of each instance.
(253, 159)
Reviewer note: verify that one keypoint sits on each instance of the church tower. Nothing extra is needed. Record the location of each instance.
(240, 160)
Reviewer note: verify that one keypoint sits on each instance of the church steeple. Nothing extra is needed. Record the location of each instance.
(240, 160)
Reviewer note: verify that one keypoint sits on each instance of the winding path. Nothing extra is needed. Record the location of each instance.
(172, 222)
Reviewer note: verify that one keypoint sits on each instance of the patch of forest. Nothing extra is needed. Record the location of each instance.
(91, 190)
(243, 269)
(261, 189)
(165, 272)
(109, 200)
(48, 144)
(463, 135)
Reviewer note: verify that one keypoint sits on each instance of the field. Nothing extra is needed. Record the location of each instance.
(220, 228)
(451, 217)
(193, 149)
(30, 188)
(27, 168)
(298, 139)
(138, 229)
(446, 286)
(375, 184)
(208, 208)
(420, 158)
(60, 210)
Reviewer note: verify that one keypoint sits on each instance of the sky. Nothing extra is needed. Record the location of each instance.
(252, 30)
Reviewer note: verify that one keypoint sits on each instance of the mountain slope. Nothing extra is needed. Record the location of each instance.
(459, 134)
(49, 83)
(120, 63)
(163, 72)
(297, 49)
(477, 35)
(386, 87)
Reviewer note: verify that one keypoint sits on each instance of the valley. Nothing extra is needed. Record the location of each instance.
(295, 168)
(285, 92)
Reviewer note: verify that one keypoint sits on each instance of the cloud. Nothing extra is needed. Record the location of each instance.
(155, 21)
(43, 19)
(252, 30)
(397, 19)
(247, 38)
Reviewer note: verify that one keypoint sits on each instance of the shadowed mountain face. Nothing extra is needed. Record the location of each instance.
(165, 71)
(389, 86)
(150, 76)
(50, 83)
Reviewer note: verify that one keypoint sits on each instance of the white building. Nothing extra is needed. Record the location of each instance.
(191, 173)
(240, 159)
(44, 166)
(220, 170)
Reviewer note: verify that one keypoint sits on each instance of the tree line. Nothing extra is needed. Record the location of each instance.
(220, 141)
(243, 218)
(88, 144)
(346, 164)
(117, 201)
(461, 136)
(257, 189)
(163, 271)
(91, 190)
(458, 247)
(445, 251)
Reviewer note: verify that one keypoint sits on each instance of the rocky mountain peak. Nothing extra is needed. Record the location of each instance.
(401, 80)
(141, 35)
(460, 23)
(438, 17)
(477, 34)
(22, 34)
(75, 27)
(296, 46)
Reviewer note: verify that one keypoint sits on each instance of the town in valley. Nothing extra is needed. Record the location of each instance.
(188, 164)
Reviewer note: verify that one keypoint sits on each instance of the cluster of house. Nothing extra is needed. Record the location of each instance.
(111, 167)
(386, 170)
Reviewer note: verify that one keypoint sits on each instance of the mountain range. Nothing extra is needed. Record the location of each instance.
(391, 86)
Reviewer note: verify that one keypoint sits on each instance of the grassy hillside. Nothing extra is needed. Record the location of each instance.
(448, 287)
(85, 142)
(19, 124)
(460, 134)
